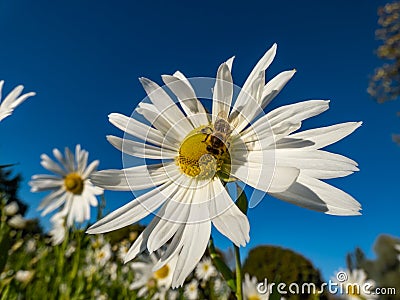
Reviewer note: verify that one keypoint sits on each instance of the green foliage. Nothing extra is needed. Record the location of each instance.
(385, 268)
(385, 83)
(277, 265)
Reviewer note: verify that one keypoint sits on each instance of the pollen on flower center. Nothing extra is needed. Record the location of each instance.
(161, 273)
(73, 183)
(202, 154)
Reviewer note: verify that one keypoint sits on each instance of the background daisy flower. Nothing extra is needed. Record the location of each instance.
(70, 187)
(12, 100)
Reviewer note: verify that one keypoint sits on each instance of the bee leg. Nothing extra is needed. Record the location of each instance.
(205, 140)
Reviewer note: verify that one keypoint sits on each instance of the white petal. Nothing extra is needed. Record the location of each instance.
(261, 66)
(274, 86)
(141, 241)
(141, 150)
(39, 184)
(55, 203)
(222, 92)
(317, 195)
(50, 165)
(314, 160)
(139, 208)
(195, 239)
(90, 169)
(140, 130)
(227, 217)
(325, 136)
(165, 105)
(135, 178)
(50, 197)
(156, 119)
(187, 98)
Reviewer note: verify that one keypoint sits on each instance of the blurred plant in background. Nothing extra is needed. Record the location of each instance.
(385, 83)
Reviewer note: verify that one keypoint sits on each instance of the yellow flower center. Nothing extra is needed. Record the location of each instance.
(73, 183)
(161, 273)
(202, 154)
(253, 297)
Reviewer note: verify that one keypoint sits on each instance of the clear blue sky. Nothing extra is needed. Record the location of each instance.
(83, 59)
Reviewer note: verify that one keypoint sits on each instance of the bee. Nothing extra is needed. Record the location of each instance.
(217, 135)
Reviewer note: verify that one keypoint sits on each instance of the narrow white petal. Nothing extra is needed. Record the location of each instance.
(187, 98)
(135, 178)
(222, 92)
(140, 243)
(50, 198)
(227, 217)
(274, 86)
(44, 184)
(156, 119)
(139, 208)
(314, 160)
(317, 195)
(261, 66)
(50, 165)
(90, 169)
(141, 150)
(195, 240)
(140, 130)
(55, 203)
(165, 105)
(325, 136)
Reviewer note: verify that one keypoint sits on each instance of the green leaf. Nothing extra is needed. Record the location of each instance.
(5, 244)
(241, 201)
(221, 266)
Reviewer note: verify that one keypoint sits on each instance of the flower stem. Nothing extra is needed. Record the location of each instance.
(239, 292)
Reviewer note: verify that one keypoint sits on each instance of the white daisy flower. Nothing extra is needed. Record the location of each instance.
(205, 269)
(191, 291)
(13, 99)
(17, 222)
(11, 208)
(198, 152)
(250, 289)
(24, 276)
(58, 230)
(355, 285)
(148, 274)
(70, 187)
(221, 289)
(102, 255)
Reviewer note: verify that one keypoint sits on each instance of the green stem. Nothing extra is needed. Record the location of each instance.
(239, 292)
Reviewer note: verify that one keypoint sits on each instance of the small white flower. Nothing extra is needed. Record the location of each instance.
(31, 245)
(70, 186)
(102, 255)
(58, 230)
(122, 251)
(11, 208)
(191, 291)
(205, 269)
(112, 269)
(250, 289)
(24, 276)
(17, 222)
(151, 272)
(70, 250)
(221, 289)
(356, 285)
(12, 100)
